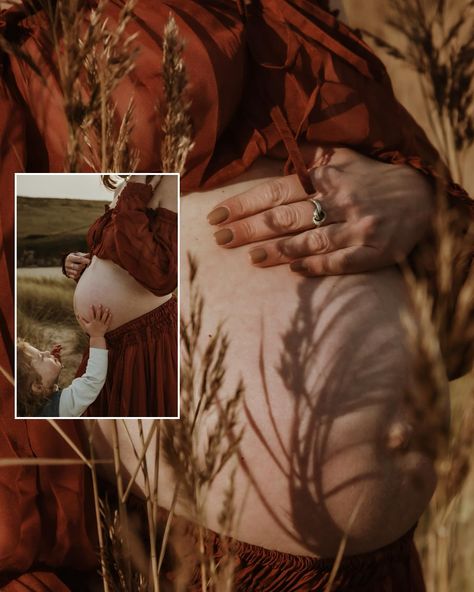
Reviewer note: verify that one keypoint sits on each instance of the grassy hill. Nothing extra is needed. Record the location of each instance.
(49, 227)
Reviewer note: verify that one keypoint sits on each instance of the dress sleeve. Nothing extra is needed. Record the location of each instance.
(145, 240)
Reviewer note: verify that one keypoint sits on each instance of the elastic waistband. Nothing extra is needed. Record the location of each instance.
(253, 554)
(160, 319)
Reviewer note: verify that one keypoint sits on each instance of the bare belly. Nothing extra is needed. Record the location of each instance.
(106, 283)
(324, 369)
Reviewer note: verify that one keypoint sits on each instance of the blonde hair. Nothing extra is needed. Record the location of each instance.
(29, 403)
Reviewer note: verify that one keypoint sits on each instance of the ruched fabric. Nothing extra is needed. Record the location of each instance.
(143, 241)
(143, 367)
(393, 568)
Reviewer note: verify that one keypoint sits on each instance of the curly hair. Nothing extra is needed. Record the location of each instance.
(29, 403)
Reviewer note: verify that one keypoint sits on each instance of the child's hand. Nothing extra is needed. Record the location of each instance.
(98, 323)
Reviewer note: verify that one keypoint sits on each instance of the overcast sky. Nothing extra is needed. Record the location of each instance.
(74, 186)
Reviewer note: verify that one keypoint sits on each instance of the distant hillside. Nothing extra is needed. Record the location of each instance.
(49, 227)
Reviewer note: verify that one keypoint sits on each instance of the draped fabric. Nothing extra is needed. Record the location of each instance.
(143, 241)
(261, 76)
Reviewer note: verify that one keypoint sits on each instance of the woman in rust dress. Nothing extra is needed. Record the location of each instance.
(133, 271)
(297, 75)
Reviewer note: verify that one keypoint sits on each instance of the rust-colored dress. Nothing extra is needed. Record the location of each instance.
(274, 73)
(142, 372)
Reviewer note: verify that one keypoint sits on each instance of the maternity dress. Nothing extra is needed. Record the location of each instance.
(277, 72)
(142, 376)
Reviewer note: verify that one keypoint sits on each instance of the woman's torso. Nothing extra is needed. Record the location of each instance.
(104, 282)
(324, 370)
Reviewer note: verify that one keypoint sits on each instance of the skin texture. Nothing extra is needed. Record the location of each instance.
(375, 214)
(327, 441)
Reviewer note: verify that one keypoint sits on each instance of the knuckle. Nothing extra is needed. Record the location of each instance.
(318, 242)
(344, 261)
(275, 192)
(325, 266)
(247, 230)
(239, 206)
(285, 248)
(284, 218)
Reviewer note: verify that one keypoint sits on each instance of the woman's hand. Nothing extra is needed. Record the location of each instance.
(375, 214)
(75, 263)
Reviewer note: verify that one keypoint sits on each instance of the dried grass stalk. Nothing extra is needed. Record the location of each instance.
(197, 460)
(177, 129)
(438, 43)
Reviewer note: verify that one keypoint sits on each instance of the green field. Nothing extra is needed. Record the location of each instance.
(47, 228)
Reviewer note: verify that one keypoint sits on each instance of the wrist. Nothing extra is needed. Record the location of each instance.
(98, 342)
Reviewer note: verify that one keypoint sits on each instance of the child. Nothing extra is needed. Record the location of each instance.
(37, 374)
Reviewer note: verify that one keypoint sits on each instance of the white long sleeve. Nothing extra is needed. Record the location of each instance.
(84, 390)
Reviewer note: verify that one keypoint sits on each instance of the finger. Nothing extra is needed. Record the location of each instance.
(94, 311)
(76, 258)
(279, 221)
(315, 241)
(270, 194)
(350, 260)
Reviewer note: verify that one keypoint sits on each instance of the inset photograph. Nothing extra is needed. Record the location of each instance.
(96, 295)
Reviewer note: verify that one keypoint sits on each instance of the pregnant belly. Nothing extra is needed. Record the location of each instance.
(106, 283)
(324, 370)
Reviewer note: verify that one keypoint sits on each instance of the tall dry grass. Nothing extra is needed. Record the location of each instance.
(436, 41)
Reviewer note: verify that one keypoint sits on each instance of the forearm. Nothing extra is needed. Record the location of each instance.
(84, 390)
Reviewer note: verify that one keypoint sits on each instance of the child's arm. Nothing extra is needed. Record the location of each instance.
(84, 390)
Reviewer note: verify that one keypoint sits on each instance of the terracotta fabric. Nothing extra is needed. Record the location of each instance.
(46, 512)
(393, 568)
(143, 241)
(37, 581)
(293, 54)
(143, 367)
(254, 74)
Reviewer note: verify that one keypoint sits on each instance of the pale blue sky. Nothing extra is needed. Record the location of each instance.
(73, 186)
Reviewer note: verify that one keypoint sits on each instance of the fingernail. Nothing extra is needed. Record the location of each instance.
(258, 255)
(218, 215)
(223, 236)
(297, 266)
